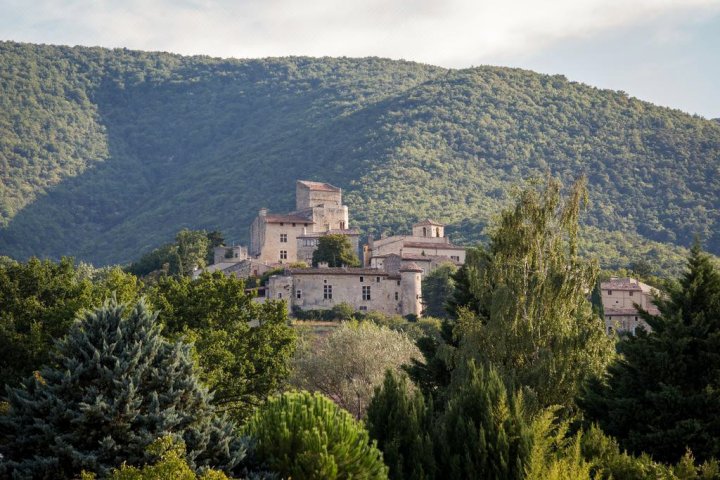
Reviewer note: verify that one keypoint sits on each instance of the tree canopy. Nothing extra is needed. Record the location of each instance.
(335, 250)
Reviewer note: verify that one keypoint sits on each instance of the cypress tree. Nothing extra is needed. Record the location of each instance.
(483, 432)
(116, 385)
(663, 394)
(401, 423)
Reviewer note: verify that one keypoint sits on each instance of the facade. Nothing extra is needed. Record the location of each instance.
(427, 247)
(245, 268)
(619, 297)
(392, 290)
(292, 237)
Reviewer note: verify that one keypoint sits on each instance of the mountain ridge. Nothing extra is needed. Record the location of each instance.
(171, 142)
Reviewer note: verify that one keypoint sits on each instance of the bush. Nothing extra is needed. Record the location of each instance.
(307, 436)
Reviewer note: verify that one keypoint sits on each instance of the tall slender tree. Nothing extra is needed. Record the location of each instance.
(528, 314)
(115, 387)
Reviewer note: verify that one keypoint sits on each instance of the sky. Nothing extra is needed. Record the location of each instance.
(663, 51)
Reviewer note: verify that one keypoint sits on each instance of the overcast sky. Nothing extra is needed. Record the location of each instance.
(664, 51)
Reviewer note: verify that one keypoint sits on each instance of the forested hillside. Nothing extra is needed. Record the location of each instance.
(105, 154)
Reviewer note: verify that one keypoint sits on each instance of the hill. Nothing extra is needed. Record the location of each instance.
(105, 154)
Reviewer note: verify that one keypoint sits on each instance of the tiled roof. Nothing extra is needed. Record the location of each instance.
(336, 231)
(427, 221)
(319, 186)
(411, 267)
(338, 271)
(441, 246)
(279, 218)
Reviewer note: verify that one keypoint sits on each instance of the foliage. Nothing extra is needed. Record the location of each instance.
(438, 287)
(401, 423)
(191, 250)
(307, 436)
(483, 432)
(118, 386)
(610, 463)
(335, 250)
(38, 301)
(244, 348)
(555, 454)
(662, 395)
(347, 364)
(528, 289)
(107, 153)
(170, 465)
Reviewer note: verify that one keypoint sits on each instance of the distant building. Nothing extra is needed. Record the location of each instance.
(619, 297)
(293, 237)
(427, 247)
(395, 289)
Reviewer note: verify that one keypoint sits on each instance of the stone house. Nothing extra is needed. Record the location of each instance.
(395, 289)
(292, 237)
(427, 247)
(619, 299)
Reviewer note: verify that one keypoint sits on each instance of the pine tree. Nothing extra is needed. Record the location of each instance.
(401, 423)
(663, 395)
(483, 432)
(306, 436)
(114, 386)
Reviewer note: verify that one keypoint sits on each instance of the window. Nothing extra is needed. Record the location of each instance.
(377, 279)
(279, 294)
(342, 225)
(437, 232)
(455, 257)
(283, 254)
(631, 294)
(609, 330)
(283, 238)
(398, 282)
(293, 224)
(363, 308)
(397, 296)
(327, 292)
(636, 319)
(366, 292)
(281, 224)
(424, 232)
(298, 294)
(609, 292)
(362, 279)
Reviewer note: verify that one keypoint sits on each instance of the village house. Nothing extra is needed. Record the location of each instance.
(427, 247)
(619, 297)
(393, 290)
(293, 237)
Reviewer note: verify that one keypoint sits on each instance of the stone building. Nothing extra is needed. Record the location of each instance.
(427, 247)
(292, 237)
(619, 297)
(395, 289)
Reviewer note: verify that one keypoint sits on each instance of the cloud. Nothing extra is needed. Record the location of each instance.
(445, 32)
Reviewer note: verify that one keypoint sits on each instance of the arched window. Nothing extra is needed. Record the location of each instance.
(424, 232)
(437, 232)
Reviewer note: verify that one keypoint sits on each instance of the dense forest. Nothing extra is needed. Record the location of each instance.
(105, 154)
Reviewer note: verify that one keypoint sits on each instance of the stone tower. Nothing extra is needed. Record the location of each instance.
(410, 284)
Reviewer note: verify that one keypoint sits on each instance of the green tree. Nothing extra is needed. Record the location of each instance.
(244, 348)
(38, 301)
(529, 314)
(336, 250)
(483, 432)
(438, 287)
(401, 423)
(307, 436)
(662, 395)
(350, 362)
(171, 464)
(117, 387)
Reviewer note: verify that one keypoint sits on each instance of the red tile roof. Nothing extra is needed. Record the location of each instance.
(318, 186)
(338, 271)
(440, 246)
(427, 221)
(279, 218)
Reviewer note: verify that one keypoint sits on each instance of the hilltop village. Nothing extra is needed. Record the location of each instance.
(392, 271)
